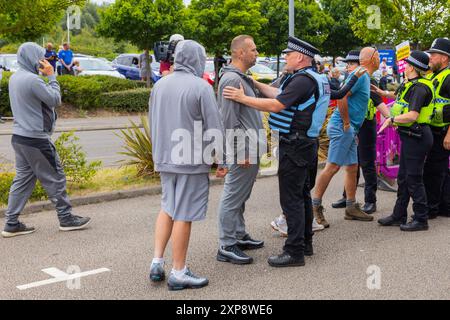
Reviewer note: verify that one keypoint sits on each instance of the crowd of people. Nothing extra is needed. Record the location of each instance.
(298, 104)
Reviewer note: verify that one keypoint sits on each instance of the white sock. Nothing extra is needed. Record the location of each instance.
(158, 260)
(179, 273)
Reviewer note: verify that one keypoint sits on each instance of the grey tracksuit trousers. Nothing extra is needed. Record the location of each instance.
(36, 159)
(237, 189)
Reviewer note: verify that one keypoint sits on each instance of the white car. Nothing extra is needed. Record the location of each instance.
(95, 66)
(9, 62)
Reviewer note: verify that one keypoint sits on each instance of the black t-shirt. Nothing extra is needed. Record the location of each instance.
(297, 90)
(418, 96)
(375, 97)
(377, 100)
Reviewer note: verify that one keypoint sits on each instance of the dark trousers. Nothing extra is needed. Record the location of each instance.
(410, 176)
(445, 203)
(367, 154)
(436, 171)
(298, 164)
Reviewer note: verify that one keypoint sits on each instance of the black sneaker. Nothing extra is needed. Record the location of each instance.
(309, 251)
(247, 243)
(157, 272)
(73, 222)
(233, 254)
(13, 230)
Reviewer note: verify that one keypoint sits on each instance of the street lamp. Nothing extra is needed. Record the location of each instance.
(291, 17)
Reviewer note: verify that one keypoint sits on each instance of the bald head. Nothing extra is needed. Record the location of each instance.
(370, 59)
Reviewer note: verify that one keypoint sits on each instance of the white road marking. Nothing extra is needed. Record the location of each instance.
(60, 276)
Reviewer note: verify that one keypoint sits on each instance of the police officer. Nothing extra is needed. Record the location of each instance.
(412, 114)
(298, 110)
(436, 164)
(367, 137)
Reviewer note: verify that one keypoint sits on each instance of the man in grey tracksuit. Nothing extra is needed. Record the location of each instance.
(246, 124)
(185, 121)
(33, 104)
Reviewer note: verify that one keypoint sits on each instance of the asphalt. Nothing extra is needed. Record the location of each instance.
(98, 137)
(120, 238)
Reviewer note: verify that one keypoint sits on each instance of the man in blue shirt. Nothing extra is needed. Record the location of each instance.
(66, 58)
(342, 130)
(50, 55)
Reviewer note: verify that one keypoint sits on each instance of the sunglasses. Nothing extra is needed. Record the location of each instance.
(374, 51)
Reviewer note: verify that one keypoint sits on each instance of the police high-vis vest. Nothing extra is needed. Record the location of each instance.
(309, 120)
(401, 106)
(439, 101)
(371, 110)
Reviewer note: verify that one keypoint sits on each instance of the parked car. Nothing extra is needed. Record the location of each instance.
(261, 72)
(124, 64)
(273, 65)
(95, 66)
(9, 62)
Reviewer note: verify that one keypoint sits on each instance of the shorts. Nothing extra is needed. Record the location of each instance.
(343, 149)
(185, 196)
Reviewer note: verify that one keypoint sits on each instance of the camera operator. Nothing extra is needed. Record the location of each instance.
(166, 65)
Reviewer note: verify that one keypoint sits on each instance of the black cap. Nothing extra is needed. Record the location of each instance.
(301, 46)
(440, 45)
(419, 59)
(352, 56)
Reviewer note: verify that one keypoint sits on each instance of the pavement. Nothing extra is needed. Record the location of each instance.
(352, 260)
(97, 136)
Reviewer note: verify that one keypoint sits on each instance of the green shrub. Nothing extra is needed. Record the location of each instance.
(5, 109)
(138, 147)
(6, 180)
(83, 92)
(135, 100)
(73, 159)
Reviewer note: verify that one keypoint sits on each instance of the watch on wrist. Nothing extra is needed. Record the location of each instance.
(392, 120)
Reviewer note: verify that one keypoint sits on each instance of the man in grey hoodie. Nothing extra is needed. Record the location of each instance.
(183, 115)
(245, 123)
(33, 104)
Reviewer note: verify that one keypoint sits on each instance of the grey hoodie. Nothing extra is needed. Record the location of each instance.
(33, 102)
(177, 101)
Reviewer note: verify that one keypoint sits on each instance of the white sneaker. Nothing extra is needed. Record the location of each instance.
(280, 225)
(316, 226)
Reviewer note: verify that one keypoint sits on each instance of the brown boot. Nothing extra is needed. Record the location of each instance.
(320, 218)
(355, 213)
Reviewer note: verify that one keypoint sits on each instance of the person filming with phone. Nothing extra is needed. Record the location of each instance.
(33, 104)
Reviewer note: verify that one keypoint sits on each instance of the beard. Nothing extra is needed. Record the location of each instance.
(436, 67)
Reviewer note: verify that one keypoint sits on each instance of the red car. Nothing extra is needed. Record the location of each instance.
(209, 74)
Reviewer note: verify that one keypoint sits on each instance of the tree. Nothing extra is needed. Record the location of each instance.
(419, 21)
(341, 38)
(274, 33)
(142, 22)
(21, 20)
(312, 24)
(214, 23)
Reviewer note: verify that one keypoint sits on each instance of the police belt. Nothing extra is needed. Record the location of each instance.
(439, 130)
